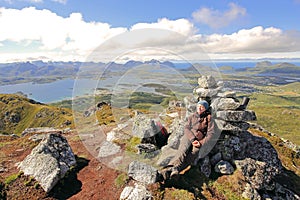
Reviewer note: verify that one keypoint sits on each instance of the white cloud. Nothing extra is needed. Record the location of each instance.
(52, 31)
(182, 26)
(32, 34)
(216, 18)
(255, 40)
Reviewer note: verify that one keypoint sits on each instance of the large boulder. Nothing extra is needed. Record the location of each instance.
(142, 172)
(145, 128)
(49, 161)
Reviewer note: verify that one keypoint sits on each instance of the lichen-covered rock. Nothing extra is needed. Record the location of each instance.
(176, 130)
(145, 128)
(138, 192)
(233, 127)
(225, 104)
(205, 166)
(108, 149)
(142, 172)
(215, 158)
(147, 150)
(207, 82)
(40, 130)
(251, 193)
(169, 151)
(236, 116)
(224, 167)
(117, 135)
(49, 161)
(259, 174)
(203, 92)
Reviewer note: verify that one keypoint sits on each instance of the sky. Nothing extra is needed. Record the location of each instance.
(98, 30)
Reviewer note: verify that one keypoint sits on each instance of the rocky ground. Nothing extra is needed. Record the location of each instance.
(246, 162)
(89, 180)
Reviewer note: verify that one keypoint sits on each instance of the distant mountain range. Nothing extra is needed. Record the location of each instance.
(12, 73)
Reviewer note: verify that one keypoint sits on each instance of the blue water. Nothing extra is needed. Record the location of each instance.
(63, 89)
(234, 64)
(49, 92)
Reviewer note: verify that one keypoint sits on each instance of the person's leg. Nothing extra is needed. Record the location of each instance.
(184, 149)
(186, 159)
(178, 161)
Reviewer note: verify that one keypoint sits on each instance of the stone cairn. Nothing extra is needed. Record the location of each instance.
(232, 148)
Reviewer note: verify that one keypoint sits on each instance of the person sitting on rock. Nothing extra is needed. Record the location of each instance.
(198, 129)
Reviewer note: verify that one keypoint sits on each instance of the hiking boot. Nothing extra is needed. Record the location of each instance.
(174, 173)
(165, 173)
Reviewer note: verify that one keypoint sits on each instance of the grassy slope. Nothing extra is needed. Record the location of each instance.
(28, 113)
(278, 110)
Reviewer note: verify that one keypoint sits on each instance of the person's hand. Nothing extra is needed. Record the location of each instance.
(196, 143)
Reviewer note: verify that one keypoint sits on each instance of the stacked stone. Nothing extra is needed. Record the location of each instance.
(236, 146)
(207, 89)
(229, 115)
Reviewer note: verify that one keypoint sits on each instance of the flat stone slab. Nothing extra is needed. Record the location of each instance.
(236, 116)
(108, 149)
(142, 172)
(231, 126)
(225, 104)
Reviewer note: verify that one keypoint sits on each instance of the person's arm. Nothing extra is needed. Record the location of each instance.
(187, 130)
(210, 131)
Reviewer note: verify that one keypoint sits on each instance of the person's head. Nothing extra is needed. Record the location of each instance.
(202, 106)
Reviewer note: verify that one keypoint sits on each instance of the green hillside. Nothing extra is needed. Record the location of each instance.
(278, 110)
(18, 113)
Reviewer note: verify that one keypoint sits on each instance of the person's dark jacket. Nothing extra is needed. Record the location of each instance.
(199, 127)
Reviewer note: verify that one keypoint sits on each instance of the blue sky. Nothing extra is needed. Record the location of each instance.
(72, 29)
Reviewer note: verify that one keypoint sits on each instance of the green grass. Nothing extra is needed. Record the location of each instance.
(178, 194)
(12, 178)
(121, 180)
(278, 110)
(30, 114)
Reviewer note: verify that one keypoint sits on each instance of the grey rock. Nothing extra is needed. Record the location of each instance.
(147, 150)
(138, 192)
(37, 137)
(202, 92)
(284, 193)
(207, 82)
(236, 116)
(117, 135)
(224, 104)
(38, 130)
(108, 149)
(144, 127)
(257, 173)
(142, 172)
(215, 158)
(234, 127)
(190, 100)
(49, 161)
(224, 167)
(169, 151)
(227, 94)
(176, 131)
(251, 193)
(205, 166)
